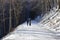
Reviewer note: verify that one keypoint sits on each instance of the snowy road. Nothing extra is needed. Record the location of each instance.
(34, 32)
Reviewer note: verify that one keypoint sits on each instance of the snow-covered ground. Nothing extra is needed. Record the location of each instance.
(43, 30)
(33, 32)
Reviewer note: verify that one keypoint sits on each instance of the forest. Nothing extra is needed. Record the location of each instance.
(16, 12)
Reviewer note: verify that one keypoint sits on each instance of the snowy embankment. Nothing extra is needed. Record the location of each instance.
(52, 22)
(37, 31)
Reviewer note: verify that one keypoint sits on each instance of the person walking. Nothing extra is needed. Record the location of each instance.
(28, 9)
